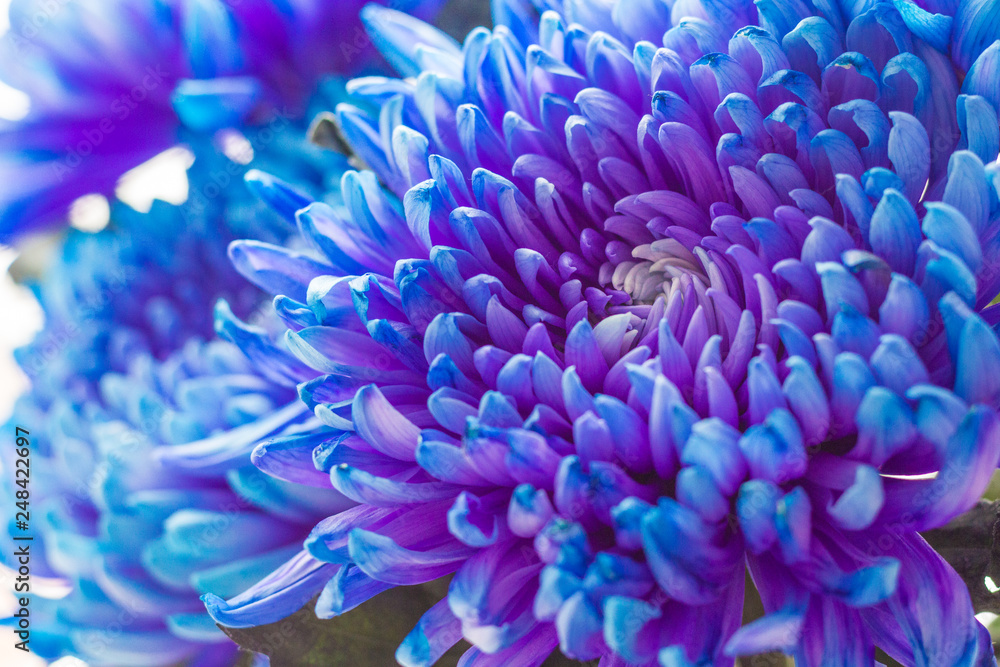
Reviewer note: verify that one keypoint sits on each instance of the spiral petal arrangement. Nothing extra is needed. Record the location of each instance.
(637, 297)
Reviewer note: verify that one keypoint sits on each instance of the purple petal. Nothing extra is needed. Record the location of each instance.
(278, 595)
(382, 426)
(381, 558)
(436, 632)
(347, 589)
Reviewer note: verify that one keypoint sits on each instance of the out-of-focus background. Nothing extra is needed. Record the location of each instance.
(20, 318)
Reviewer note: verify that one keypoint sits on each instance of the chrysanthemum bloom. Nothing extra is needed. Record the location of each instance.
(139, 539)
(627, 320)
(112, 81)
(126, 395)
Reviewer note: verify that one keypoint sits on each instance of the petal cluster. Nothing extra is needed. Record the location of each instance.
(138, 532)
(635, 298)
(143, 495)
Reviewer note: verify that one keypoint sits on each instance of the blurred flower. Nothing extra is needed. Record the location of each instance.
(126, 392)
(608, 323)
(138, 538)
(111, 81)
(147, 282)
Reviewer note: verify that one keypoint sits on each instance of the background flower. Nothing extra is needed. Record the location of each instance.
(122, 370)
(110, 83)
(608, 323)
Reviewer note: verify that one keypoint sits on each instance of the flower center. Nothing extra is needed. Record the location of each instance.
(655, 269)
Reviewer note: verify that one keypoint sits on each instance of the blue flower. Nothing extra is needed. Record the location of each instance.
(610, 323)
(147, 499)
(111, 83)
(143, 493)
